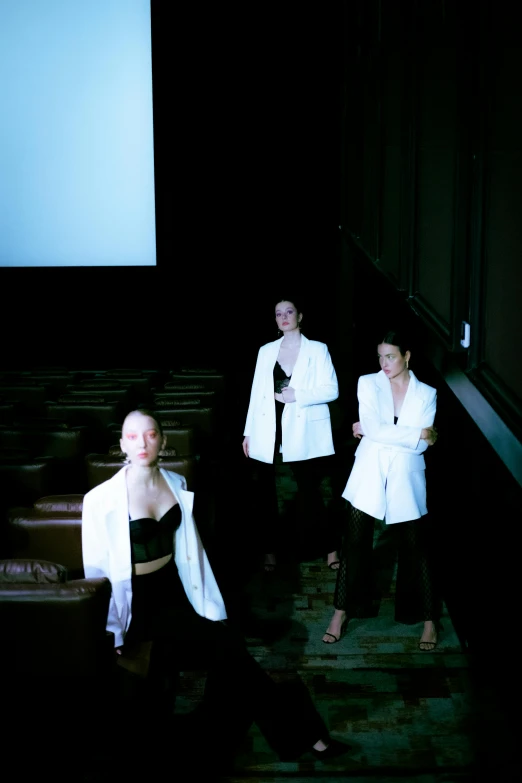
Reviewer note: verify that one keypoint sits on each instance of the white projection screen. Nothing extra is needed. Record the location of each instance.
(76, 134)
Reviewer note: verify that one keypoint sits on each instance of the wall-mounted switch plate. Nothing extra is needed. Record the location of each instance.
(465, 332)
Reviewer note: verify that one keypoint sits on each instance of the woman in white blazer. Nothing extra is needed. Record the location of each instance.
(387, 481)
(138, 530)
(288, 418)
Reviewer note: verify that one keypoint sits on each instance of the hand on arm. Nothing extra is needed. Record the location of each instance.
(357, 429)
(246, 442)
(372, 425)
(429, 434)
(287, 394)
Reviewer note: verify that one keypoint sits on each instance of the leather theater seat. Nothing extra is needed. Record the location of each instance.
(45, 438)
(201, 419)
(52, 626)
(57, 669)
(49, 530)
(23, 479)
(211, 378)
(92, 411)
(29, 396)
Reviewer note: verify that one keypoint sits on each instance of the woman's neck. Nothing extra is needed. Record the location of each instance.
(147, 477)
(402, 380)
(291, 339)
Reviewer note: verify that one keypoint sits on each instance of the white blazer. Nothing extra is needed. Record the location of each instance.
(305, 424)
(388, 479)
(107, 552)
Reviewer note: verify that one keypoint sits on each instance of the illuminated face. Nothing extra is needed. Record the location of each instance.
(141, 440)
(287, 317)
(392, 362)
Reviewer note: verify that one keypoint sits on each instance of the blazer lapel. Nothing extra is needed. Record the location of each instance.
(273, 352)
(184, 497)
(118, 522)
(301, 365)
(384, 397)
(412, 405)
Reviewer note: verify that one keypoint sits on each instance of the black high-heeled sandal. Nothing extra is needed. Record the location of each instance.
(341, 634)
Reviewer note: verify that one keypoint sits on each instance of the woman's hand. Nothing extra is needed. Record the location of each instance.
(118, 650)
(429, 434)
(357, 429)
(287, 394)
(246, 443)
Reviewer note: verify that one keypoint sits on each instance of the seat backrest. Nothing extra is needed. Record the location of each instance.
(165, 397)
(24, 479)
(96, 415)
(201, 418)
(49, 535)
(50, 626)
(212, 379)
(61, 442)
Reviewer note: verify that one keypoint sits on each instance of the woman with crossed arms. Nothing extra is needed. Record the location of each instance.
(388, 481)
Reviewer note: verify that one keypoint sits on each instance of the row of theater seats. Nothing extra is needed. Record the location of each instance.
(46, 466)
(48, 444)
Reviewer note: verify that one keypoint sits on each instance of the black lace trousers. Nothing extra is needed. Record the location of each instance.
(416, 596)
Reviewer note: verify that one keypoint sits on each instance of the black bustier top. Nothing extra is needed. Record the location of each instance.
(151, 538)
(281, 379)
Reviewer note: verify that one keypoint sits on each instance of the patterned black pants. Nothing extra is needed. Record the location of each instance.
(416, 596)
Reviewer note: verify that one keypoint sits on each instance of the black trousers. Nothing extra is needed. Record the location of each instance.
(416, 596)
(317, 526)
(238, 691)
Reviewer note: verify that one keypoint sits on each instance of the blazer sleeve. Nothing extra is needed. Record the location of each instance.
(326, 387)
(95, 553)
(387, 434)
(255, 391)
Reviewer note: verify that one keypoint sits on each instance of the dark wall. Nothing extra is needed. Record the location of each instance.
(431, 190)
(432, 185)
(473, 500)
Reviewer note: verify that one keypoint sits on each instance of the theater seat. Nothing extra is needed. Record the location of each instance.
(97, 414)
(68, 445)
(29, 396)
(8, 411)
(23, 479)
(57, 668)
(51, 626)
(201, 419)
(211, 378)
(51, 530)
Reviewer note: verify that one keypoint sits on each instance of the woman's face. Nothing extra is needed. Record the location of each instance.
(392, 362)
(287, 317)
(141, 439)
